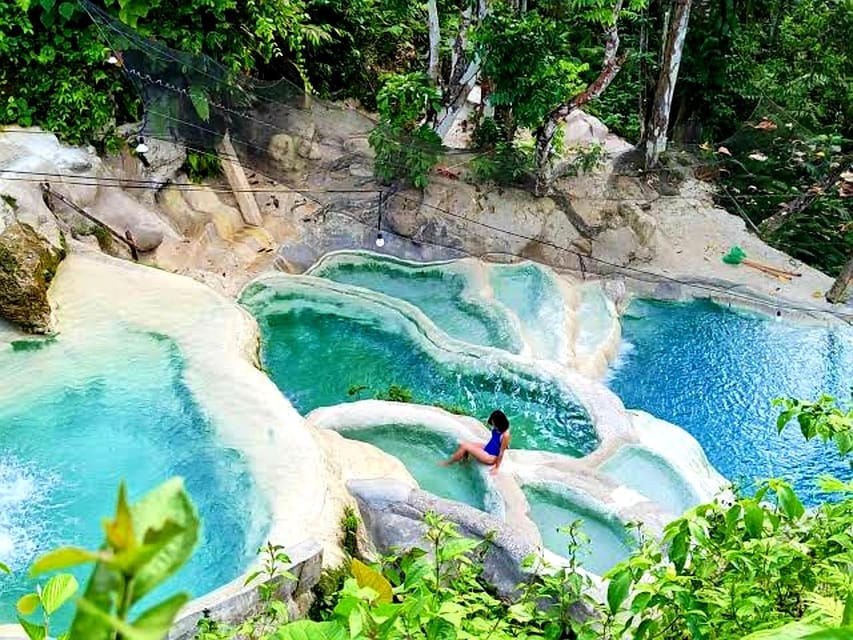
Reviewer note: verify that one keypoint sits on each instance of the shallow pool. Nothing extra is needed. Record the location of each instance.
(713, 371)
(445, 293)
(74, 421)
(552, 510)
(420, 450)
(320, 351)
(651, 476)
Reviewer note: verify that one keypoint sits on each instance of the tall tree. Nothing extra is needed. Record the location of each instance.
(610, 67)
(658, 122)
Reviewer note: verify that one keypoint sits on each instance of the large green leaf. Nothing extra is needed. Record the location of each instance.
(4, 568)
(789, 502)
(367, 577)
(161, 510)
(618, 589)
(33, 631)
(165, 510)
(310, 630)
(159, 618)
(57, 591)
(754, 519)
(199, 99)
(63, 558)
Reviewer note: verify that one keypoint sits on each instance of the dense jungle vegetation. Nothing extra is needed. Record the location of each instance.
(763, 101)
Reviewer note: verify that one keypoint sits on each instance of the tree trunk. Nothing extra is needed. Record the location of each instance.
(659, 122)
(434, 41)
(840, 291)
(545, 134)
(464, 74)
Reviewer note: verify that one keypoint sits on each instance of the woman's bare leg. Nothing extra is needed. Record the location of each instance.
(473, 449)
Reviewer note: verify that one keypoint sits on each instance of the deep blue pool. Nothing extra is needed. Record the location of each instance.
(713, 371)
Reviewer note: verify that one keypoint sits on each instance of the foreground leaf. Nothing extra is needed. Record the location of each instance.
(372, 579)
(57, 591)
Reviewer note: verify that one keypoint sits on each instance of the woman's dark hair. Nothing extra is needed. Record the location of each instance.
(499, 420)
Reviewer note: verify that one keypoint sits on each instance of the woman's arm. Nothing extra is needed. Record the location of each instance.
(504, 446)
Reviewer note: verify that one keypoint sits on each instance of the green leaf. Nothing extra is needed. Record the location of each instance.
(789, 501)
(120, 534)
(841, 633)
(440, 629)
(66, 10)
(754, 519)
(57, 591)
(847, 616)
(33, 631)
(643, 629)
(159, 618)
(152, 514)
(310, 630)
(168, 502)
(367, 577)
(27, 604)
(4, 568)
(63, 558)
(200, 102)
(617, 590)
(678, 550)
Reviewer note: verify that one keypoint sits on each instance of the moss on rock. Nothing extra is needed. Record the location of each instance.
(28, 264)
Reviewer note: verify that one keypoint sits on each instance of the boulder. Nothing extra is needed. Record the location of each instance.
(28, 263)
(393, 515)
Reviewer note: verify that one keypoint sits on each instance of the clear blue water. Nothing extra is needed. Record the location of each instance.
(714, 371)
(609, 542)
(97, 416)
(651, 476)
(441, 292)
(419, 449)
(316, 353)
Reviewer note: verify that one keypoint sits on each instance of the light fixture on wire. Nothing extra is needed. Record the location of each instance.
(380, 239)
(141, 147)
(112, 59)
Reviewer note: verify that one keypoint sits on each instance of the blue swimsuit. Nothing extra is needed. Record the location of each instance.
(493, 446)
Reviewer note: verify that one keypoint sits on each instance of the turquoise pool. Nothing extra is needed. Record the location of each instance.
(713, 371)
(74, 421)
(321, 350)
(551, 510)
(419, 450)
(445, 293)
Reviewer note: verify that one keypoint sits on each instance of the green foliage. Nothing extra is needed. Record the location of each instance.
(760, 565)
(349, 531)
(406, 147)
(200, 166)
(145, 544)
(530, 61)
(772, 162)
(58, 590)
(53, 70)
(506, 164)
(395, 393)
(826, 418)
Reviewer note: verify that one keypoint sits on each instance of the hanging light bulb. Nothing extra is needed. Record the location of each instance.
(141, 147)
(380, 240)
(778, 317)
(112, 59)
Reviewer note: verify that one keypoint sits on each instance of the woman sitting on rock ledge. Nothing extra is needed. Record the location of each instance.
(492, 452)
